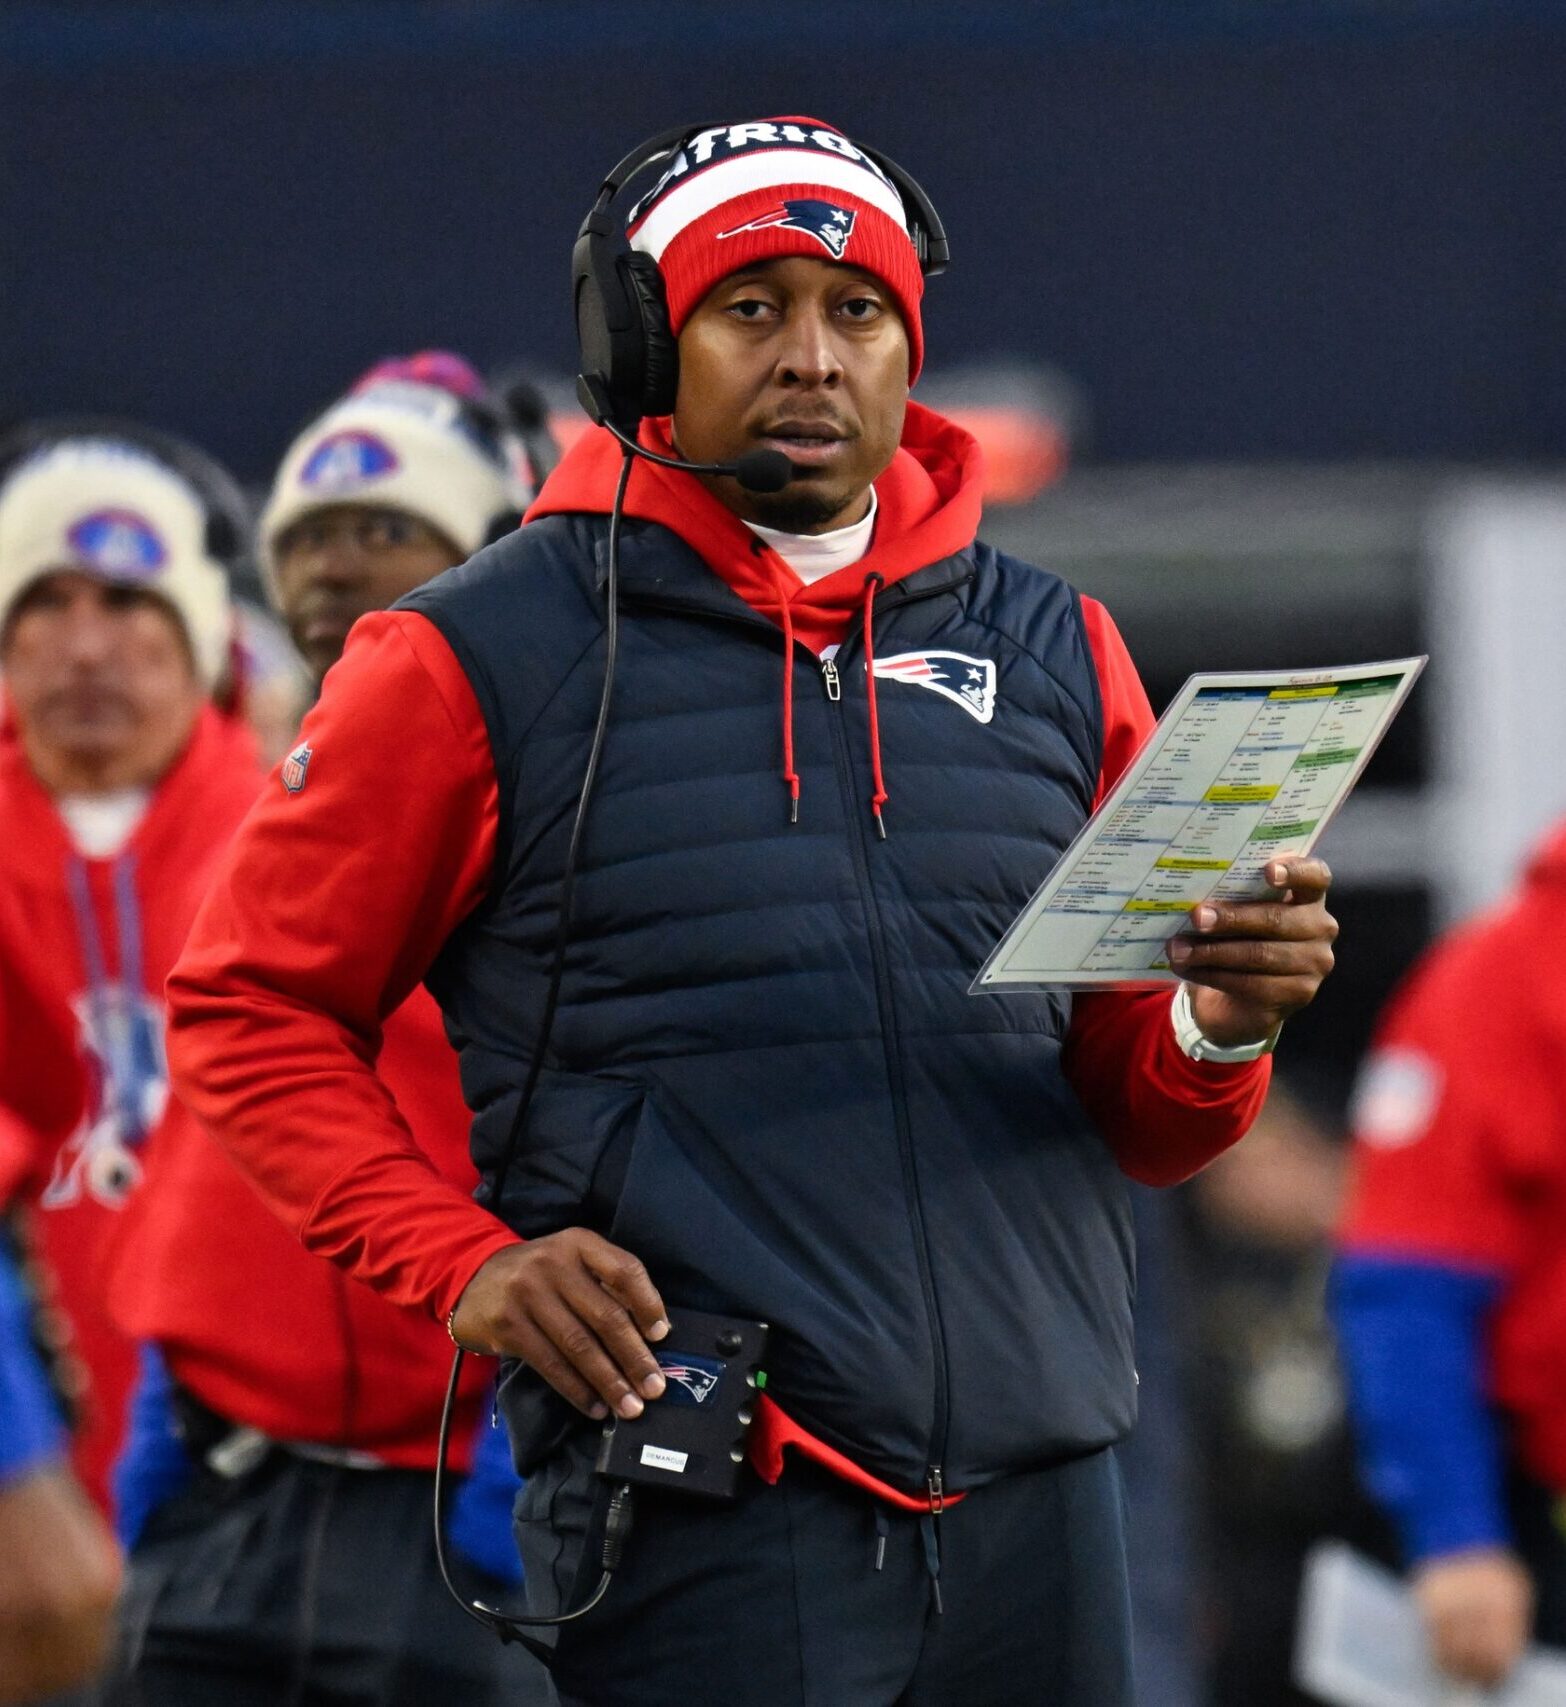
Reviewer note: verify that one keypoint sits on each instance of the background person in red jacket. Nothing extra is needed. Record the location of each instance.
(119, 786)
(1450, 1293)
(287, 1420)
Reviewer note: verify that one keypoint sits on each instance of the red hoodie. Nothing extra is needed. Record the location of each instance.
(271, 973)
(59, 1124)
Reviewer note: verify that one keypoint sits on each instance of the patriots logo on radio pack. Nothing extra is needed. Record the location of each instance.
(690, 1379)
(968, 682)
(829, 224)
(348, 458)
(118, 543)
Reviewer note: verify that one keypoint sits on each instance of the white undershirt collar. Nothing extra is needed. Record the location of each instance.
(101, 824)
(814, 556)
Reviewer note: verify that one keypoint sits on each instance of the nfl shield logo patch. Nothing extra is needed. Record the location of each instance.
(295, 767)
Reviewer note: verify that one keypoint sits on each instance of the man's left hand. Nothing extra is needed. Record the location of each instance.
(1253, 963)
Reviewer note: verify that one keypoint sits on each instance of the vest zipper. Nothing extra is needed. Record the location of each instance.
(831, 676)
(857, 842)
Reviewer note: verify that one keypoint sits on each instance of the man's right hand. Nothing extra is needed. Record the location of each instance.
(575, 1308)
(1478, 1611)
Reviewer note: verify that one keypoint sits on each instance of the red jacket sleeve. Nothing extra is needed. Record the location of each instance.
(329, 909)
(1163, 1115)
(1456, 1114)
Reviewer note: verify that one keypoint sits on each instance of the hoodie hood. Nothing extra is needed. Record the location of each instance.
(928, 506)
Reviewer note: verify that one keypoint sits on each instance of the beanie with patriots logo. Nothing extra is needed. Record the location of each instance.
(743, 193)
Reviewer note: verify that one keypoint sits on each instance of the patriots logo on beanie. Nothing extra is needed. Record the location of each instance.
(743, 194)
(830, 226)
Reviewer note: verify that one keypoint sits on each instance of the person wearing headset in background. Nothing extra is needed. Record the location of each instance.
(285, 1428)
(120, 784)
(59, 1566)
(1449, 1293)
(845, 741)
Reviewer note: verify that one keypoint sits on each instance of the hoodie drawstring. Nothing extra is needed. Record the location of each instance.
(880, 797)
(873, 583)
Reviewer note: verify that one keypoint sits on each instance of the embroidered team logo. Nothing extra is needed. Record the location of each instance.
(348, 458)
(830, 225)
(968, 682)
(691, 1380)
(118, 543)
(296, 767)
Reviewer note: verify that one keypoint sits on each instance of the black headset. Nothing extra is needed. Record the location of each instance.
(223, 502)
(630, 360)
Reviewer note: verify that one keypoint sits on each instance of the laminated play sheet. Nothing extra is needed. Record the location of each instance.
(1240, 768)
(1361, 1643)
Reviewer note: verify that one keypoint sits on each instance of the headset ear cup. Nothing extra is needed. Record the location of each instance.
(661, 364)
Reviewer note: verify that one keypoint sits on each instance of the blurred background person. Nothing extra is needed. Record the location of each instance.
(1274, 1467)
(119, 786)
(277, 1488)
(59, 1567)
(1450, 1293)
(268, 684)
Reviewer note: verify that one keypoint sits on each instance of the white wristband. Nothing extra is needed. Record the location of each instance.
(1195, 1043)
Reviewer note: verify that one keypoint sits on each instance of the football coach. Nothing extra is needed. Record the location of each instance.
(697, 806)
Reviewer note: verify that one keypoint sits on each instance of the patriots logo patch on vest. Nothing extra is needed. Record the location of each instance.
(295, 767)
(118, 543)
(690, 1379)
(829, 224)
(968, 682)
(348, 458)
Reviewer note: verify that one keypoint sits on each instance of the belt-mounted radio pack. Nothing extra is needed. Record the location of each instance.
(692, 1440)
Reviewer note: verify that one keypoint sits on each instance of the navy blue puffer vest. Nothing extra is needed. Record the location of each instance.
(767, 1079)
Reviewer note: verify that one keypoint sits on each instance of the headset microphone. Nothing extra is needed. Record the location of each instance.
(757, 470)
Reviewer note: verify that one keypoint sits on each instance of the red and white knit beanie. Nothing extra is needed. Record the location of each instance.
(748, 192)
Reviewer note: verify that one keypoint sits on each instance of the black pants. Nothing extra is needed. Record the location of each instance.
(1539, 1524)
(811, 1594)
(306, 1585)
